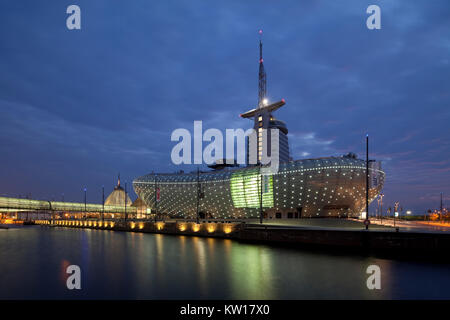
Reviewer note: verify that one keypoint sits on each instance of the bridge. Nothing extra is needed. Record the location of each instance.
(17, 205)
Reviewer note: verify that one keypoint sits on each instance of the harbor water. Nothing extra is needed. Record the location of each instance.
(128, 265)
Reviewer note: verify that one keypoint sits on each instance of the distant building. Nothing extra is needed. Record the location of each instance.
(118, 196)
(142, 210)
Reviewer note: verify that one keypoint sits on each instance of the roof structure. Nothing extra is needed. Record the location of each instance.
(270, 108)
(118, 196)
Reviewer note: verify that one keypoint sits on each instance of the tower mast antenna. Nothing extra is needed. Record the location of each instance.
(262, 85)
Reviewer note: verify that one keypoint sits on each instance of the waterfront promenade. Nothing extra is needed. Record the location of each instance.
(320, 223)
(405, 225)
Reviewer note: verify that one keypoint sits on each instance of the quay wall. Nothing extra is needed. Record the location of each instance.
(213, 229)
(386, 242)
(389, 242)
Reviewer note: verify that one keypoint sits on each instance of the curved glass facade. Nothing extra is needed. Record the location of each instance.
(333, 186)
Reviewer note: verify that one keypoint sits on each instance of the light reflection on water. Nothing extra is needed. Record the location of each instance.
(121, 265)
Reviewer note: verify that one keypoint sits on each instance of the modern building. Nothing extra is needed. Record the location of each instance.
(265, 121)
(333, 186)
(323, 187)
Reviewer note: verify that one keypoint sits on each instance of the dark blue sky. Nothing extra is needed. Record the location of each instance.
(77, 107)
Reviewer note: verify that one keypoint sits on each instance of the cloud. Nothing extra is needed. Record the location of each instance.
(79, 106)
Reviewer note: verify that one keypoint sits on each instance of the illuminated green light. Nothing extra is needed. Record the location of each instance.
(245, 189)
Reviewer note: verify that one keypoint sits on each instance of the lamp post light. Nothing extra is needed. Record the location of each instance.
(367, 221)
(156, 197)
(85, 203)
(198, 194)
(103, 203)
(261, 197)
(396, 210)
(378, 208)
(381, 206)
(126, 202)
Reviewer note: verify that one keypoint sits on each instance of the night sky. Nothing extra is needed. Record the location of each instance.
(79, 106)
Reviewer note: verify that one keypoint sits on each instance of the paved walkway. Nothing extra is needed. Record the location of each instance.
(354, 224)
(426, 226)
(321, 223)
(347, 224)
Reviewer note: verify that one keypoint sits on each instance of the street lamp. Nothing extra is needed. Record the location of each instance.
(126, 201)
(261, 196)
(367, 221)
(103, 203)
(378, 207)
(396, 210)
(198, 193)
(380, 197)
(157, 198)
(85, 204)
